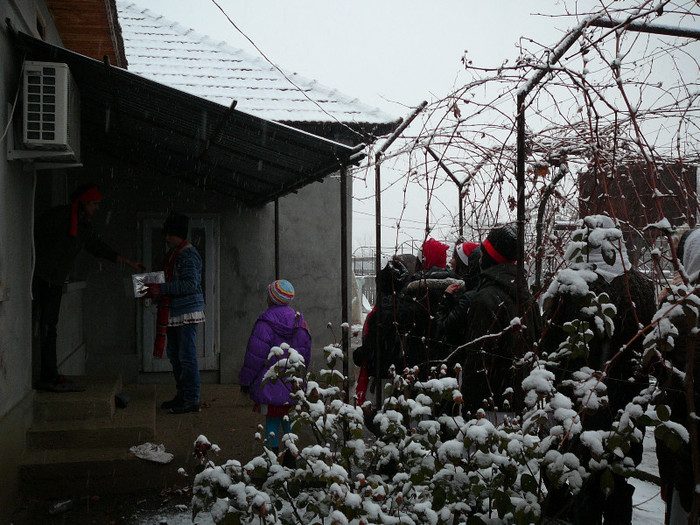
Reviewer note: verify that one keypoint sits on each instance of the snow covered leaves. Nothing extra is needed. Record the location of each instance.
(426, 463)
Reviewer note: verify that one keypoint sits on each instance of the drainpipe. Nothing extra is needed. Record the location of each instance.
(277, 239)
(378, 248)
(344, 275)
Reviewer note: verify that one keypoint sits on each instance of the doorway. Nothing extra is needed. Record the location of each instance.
(204, 236)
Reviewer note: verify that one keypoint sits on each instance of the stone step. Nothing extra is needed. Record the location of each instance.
(96, 402)
(74, 473)
(129, 426)
(81, 457)
(58, 472)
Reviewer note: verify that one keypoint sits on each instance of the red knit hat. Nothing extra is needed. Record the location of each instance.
(434, 254)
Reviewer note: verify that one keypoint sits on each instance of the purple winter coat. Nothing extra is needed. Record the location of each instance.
(276, 325)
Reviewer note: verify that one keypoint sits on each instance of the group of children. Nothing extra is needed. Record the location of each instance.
(478, 315)
(278, 331)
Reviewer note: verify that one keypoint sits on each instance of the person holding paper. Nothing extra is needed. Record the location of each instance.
(180, 310)
(60, 234)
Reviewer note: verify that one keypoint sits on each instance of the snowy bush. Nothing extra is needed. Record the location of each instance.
(427, 464)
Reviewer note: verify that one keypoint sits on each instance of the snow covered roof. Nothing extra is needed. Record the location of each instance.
(168, 53)
(133, 119)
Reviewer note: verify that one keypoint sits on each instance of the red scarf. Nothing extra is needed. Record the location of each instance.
(362, 384)
(164, 304)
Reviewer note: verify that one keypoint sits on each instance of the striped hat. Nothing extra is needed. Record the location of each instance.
(280, 292)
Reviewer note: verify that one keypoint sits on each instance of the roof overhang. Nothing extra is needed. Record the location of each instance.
(134, 119)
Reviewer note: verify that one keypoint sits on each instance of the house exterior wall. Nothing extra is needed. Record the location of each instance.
(16, 220)
(310, 226)
(309, 258)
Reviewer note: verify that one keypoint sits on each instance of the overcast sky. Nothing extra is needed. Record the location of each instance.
(391, 54)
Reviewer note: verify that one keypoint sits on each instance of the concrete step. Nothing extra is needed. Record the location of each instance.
(130, 426)
(96, 402)
(84, 457)
(227, 419)
(73, 473)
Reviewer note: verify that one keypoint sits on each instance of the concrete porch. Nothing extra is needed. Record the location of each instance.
(79, 442)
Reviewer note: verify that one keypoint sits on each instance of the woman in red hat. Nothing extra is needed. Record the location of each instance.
(61, 233)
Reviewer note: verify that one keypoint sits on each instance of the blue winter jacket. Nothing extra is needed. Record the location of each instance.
(185, 289)
(276, 325)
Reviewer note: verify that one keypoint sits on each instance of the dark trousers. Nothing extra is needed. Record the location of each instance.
(48, 298)
(182, 353)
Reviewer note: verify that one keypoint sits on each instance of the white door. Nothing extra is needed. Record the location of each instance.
(203, 235)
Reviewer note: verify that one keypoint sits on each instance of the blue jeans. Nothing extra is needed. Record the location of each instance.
(182, 352)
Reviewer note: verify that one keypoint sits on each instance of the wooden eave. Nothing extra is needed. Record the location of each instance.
(90, 28)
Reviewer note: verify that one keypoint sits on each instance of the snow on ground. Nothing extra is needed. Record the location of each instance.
(648, 505)
(649, 508)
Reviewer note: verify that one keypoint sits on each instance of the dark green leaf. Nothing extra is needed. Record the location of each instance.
(607, 482)
(663, 413)
(528, 483)
(502, 502)
(439, 498)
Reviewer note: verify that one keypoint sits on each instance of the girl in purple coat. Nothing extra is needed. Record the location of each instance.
(279, 324)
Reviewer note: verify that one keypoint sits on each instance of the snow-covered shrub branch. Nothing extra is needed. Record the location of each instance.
(425, 464)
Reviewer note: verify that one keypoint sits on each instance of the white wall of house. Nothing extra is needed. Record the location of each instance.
(17, 181)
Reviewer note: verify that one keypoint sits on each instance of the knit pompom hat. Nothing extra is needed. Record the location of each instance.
(280, 292)
(501, 245)
(434, 254)
(464, 250)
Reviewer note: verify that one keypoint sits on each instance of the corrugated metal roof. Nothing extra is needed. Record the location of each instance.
(189, 138)
(171, 54)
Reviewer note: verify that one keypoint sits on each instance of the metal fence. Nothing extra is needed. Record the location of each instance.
(367, 286)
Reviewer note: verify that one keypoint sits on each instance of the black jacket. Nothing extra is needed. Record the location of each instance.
(451, 317)
(379, 328)
(56, 249)
(419, 335)
(488, 362)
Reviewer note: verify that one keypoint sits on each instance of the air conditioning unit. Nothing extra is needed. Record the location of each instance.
(50, 112)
